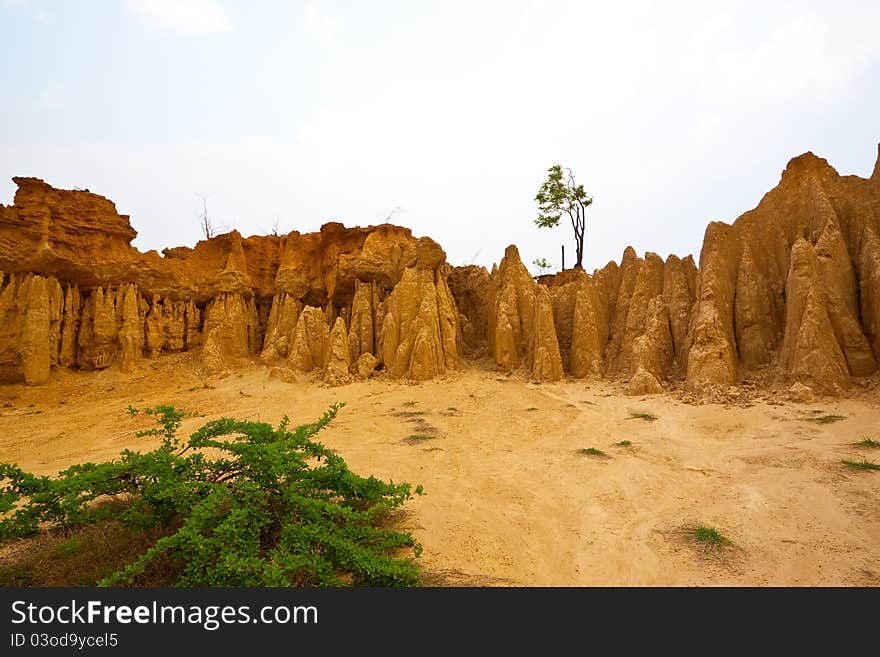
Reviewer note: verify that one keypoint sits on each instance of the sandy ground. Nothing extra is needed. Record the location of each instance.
(509, 499)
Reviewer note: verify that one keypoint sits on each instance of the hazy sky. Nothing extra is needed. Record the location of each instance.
(671, 114)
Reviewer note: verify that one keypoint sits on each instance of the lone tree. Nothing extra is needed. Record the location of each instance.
(560, 194)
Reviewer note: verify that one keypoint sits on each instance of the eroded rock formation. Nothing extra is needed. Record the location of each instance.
(789, 291)
(792, 284)
(77, 294)
(791, 288)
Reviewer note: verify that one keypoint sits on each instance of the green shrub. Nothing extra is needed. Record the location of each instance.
(241, 503)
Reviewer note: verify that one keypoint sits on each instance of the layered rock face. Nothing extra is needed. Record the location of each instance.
(790, 292)
(343, 300)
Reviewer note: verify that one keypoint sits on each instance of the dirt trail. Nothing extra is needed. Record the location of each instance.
(510, 500)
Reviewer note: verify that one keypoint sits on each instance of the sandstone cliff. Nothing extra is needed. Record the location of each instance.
(77, 294)
(790, 292)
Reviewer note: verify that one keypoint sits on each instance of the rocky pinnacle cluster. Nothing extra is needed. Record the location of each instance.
(790, 290)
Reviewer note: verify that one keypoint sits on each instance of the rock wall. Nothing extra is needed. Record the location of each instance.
(77, 294)
(787, 293)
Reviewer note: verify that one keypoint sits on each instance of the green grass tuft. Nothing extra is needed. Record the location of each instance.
(624, 443)
(647, 417)
(867, 442)
(591, 451)
(709, 536)
(410, 403)
(864, 464)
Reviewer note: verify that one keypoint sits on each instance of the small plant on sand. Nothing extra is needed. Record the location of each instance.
(410, 403)
(411, 413)
(591, 451)
(647, 417)
(864, 464)
(131, 410)
(415, 438)
(867, 442)
(827, 419)
(239, 503)
(709, 536)
(624, 443)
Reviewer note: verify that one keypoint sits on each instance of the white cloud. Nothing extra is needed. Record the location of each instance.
(322, 25)
(195, 17)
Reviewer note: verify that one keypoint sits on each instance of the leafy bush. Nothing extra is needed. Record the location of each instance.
(241, 503)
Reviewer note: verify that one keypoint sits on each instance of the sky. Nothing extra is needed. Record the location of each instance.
(443, 115)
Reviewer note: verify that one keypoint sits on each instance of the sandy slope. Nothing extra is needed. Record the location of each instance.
(509, 500)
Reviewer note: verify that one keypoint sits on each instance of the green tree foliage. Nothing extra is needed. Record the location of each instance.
(559, 195)
(244, 504)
